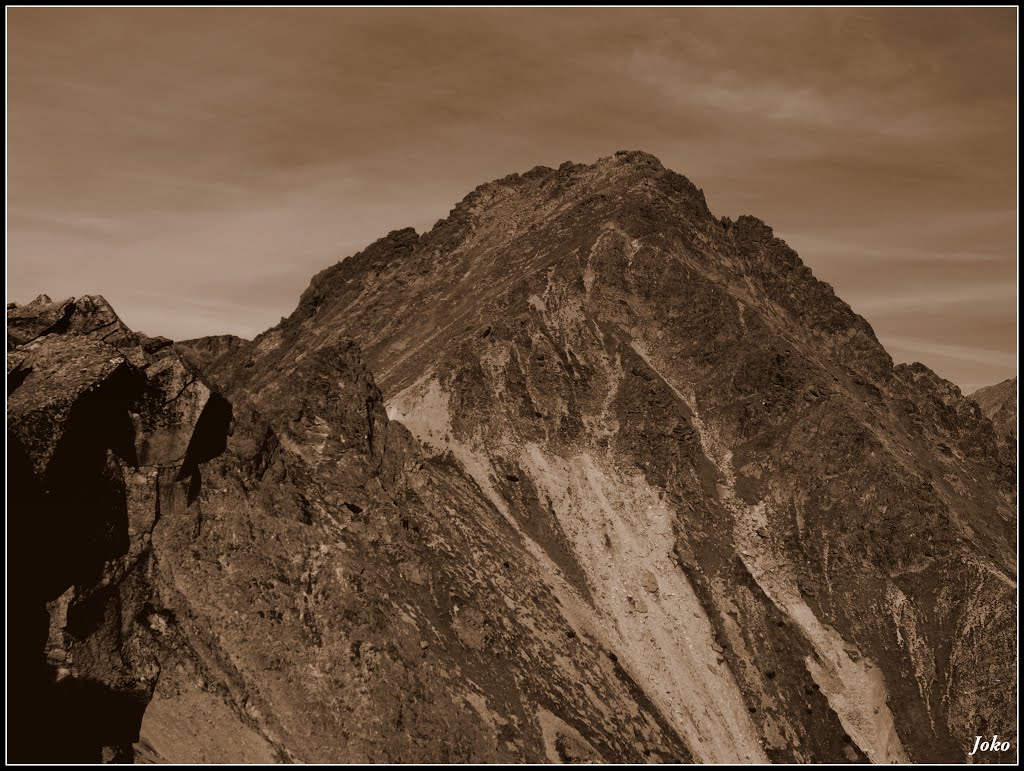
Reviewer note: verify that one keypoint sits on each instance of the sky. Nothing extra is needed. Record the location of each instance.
(198, 166)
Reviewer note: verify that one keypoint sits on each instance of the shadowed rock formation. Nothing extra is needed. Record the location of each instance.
(103, 438)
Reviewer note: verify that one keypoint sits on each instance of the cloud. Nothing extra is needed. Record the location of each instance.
(942, 298)
(915, 349)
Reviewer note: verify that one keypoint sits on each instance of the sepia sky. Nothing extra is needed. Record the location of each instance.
(197, 166)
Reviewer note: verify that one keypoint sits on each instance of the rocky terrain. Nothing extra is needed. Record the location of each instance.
(582, 473)
(999, 403)
(106, 433)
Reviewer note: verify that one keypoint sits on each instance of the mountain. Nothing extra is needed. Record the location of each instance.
(999, 403)
(582, 473)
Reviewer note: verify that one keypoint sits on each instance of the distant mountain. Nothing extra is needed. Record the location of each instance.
(999, 403)
(583, 473)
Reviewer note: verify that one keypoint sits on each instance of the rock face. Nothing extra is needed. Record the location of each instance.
(999, 403)
(107, 432)
(626, 483)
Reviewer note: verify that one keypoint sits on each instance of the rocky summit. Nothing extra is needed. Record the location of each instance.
(584, 473)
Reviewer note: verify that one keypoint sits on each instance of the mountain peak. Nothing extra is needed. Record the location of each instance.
(623, 213)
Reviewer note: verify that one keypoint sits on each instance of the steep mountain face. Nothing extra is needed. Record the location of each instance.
(342, 597)
(583, 473)
(999, 403)
(795, 550)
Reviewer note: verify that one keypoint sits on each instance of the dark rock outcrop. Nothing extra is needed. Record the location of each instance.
(97, 452)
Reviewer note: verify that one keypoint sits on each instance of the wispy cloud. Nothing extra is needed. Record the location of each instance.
(947, 299)
(910, 349)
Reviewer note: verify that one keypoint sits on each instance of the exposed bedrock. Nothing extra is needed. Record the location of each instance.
(102, 437)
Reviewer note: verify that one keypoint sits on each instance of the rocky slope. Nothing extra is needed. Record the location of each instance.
(626, 483)
(999, 403)
(293, 582)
